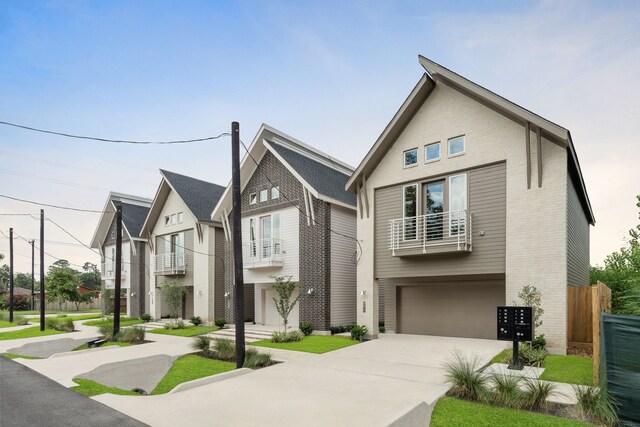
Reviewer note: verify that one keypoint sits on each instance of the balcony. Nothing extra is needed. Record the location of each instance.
(264, 253)
(109, 270)
(435, 233)
(173, 264)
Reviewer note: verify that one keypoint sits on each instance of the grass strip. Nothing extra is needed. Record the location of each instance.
(28, 333)
(124, 321)
(189, 368)
(452, 412)
(568, 369)
(92, 388)
(310, 344)
(189, 331)
(107, 344)
(18, 356)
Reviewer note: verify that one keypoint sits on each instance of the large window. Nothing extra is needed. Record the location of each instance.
(410, 210)
(410, 157)
(174, 250)
(457, 204)
(456, 146)
(264, 236)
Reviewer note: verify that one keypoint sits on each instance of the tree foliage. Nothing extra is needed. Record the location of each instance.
(173, 292)
(621, 273)
(61, 284)
(530, 296)
(22, 280)
(284, 305)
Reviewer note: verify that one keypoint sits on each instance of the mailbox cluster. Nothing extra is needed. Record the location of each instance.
(515, 324)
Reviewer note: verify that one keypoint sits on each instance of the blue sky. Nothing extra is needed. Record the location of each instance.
(330, 73)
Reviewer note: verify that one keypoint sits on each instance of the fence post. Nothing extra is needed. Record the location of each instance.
(595, 326)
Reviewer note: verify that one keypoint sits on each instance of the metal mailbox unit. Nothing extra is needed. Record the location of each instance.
(515, 324)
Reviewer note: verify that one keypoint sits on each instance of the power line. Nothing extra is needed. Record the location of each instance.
(50, 206)
(53, 180)
(117, 141)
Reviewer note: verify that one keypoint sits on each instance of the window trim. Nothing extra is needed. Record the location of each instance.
(266, 192)
(404, 158)
(416, 185)
(253, 198)
(439, 144)
(180, 217)
(464, 146)
(277, 188)
(466, 198)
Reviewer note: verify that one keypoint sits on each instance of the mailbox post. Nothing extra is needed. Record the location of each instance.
(515, 324)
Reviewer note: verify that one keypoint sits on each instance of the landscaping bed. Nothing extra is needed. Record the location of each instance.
(310, 344)
(124, 321)
(108, 344)
(187, 331)
(453, 412)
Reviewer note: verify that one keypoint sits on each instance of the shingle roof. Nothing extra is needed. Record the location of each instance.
(322, 178)
(133, 216)
(199, 196)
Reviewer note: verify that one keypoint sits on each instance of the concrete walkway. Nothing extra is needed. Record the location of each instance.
(371, 384)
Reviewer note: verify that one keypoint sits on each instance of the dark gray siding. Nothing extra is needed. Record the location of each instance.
(220, 266)
(577, 239)
(111, 235)
(138, 278)
(487, 204)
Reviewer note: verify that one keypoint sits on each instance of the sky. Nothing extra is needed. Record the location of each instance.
(330, 73)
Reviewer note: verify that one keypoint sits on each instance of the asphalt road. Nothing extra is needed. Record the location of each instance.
(28, 398)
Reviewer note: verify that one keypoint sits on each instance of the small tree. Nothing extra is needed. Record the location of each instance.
(173, 293)
(284, 287)
(532, 297)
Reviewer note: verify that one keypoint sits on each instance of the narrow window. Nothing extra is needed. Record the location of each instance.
(457, 204)
(253, 198)
(411, 157)
(265, 229)
(456, 146)
(432, 152)
(252, 238)
(434, 210)
(264, 195)
(166, 220)
(180, 218)
(275, 223)
(410, 210)
(275, 193)
(173, 219)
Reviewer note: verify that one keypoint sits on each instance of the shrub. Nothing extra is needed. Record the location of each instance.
(220, 322)
(290, 336)
(306, 328)
(539, 342)
(530, 356)
(173, 292)
(465, 379)
(506, 390)
(339, 329)
(59, 324)
(106, 330)
(146, 317)
(20, 320)
(202, 343)
(254, 359)
(596, 404)
(358, 332)
(132, 334)
(536, 393)
(224, 349)
(532, 297)
(196, 320)
(176, 324)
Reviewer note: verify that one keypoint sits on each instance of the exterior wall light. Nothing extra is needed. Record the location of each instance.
(310, 291)
(133, 294)
(227, 294)
(362, 293)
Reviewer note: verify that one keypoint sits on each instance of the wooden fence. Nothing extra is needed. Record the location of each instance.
(585, 304)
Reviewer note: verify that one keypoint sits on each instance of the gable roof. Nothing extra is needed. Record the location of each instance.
(323, 175)
(199, 196)
(437, 73)
(134, 212)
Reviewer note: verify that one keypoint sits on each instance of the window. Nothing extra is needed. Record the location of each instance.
(264, 195)
(264, 236)
(275, 193)
(433, 209)
(456, 146)
(174, 251)
(432, 152)
(173, 219)
(180, 218)
(457, 204)
(411, 157)
(253, 198)
(410, 210)
(166, 220)
(113, 234)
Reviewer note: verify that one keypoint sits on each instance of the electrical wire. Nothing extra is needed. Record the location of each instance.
(117, 141)
(51, 206)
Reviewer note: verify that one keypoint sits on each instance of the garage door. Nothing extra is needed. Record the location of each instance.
(455, 309)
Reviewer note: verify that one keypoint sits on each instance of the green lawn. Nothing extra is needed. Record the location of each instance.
(310, 344)
(189, 331)
(4, 324)
(191, 367)
(564, 369)
(568, 369)
(28, 333)
(23, 312)
(92, 388)
(124, 321)
(451, 412)
(107, 344)
(17, 356)
(186, 368)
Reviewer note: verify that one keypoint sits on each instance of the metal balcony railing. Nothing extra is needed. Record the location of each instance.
(422, 232)
(170, 264)
(109, 269)
(264, 253)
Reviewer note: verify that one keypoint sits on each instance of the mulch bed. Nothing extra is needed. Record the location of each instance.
(580, 351)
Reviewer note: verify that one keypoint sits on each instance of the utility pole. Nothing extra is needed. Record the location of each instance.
(237, 243)
(42, 303)
(33, 291)
(116, 297)
(11, 275)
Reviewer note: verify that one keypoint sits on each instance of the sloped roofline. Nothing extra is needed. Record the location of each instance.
(259, 146)
(107, 216)
(436, 72)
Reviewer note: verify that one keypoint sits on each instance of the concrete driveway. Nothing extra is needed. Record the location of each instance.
(390, 381)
